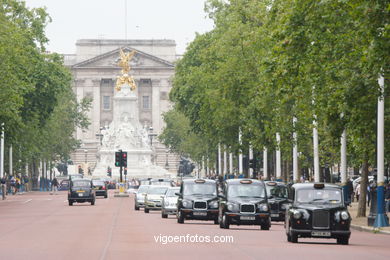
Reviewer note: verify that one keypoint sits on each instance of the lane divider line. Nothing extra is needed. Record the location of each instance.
(27, 201)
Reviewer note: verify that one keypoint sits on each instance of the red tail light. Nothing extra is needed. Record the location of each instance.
(104, 187)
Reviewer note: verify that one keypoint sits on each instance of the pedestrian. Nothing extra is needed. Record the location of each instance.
(351, 194)
(17, 184)
(387, 198)
(54, 185)
(3, 187)
(357, 192)
(12, 183)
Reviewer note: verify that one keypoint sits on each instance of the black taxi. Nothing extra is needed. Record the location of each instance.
(244, 202)
(197, 199)
(318, 211)
(81, 190)
(277, 193)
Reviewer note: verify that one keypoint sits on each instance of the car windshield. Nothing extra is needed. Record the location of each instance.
(81, 184)
(200, 189)
(98, 183)
(171, 192)
(161, 183)
(277, 191)
(246, 190)
(318, 196)
(157, 190)
(143, 188)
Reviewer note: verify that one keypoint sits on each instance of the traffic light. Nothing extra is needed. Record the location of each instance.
(118, 159)
(109, 171)
(124, 159)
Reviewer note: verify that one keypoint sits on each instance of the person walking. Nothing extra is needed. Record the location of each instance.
(3, 182)
(54, 184)
(357, 192)
(387, 198)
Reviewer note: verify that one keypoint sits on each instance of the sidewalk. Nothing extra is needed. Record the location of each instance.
(361, 223)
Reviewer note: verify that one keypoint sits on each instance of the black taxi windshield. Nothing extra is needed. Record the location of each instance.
(200, 189)
(81, 184)
(246, 191)
(318, 196)
(277, 191)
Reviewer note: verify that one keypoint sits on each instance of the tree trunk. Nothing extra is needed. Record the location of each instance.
(363, 189)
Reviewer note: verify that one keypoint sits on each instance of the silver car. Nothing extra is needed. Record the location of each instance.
(139, 198)
(169, 203)
(153, 198)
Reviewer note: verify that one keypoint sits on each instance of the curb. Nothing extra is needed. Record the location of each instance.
(369, 229)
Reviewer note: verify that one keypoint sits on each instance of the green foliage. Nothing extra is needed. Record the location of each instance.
(37, 104)
(267, 61)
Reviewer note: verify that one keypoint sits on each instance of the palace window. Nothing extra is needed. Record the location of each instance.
(145, 102)
(106, 102)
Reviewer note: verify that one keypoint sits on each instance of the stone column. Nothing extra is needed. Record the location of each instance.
(156, 105)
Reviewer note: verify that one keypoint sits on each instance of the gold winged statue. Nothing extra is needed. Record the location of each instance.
(124, 64)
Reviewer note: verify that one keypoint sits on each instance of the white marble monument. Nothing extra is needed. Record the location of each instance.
(126, 133)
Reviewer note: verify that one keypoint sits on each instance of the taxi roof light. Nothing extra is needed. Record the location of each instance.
(246, 181)
(200, 181)
(271, 183)
(319, 185)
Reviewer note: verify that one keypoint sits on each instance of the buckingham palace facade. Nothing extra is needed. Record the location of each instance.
(95, 69)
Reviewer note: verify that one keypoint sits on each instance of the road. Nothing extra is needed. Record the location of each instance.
(42, 226)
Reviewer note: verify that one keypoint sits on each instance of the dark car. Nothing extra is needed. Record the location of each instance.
(318, 210)
(244, 202)
(64, 185)
(277, 193)
(81, 190)
(100, 188)
(197, 199)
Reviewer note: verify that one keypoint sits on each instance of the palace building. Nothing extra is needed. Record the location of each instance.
(95, 70)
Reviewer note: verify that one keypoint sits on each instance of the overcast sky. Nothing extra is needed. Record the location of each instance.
(146, 19)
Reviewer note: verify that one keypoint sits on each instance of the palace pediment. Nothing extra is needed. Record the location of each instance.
(111, 59)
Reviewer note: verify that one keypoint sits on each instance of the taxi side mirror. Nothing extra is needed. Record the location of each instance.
(178, 194)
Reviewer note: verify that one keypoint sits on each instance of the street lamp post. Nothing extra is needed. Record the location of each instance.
(166, 159)
(151, 135)
(85, 160)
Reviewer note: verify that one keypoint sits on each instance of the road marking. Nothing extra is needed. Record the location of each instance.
(27, 201)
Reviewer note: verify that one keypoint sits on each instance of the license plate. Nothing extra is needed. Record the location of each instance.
(247, 218)
(200, 213)
(81, 194)
(320, 233)
(274, 215)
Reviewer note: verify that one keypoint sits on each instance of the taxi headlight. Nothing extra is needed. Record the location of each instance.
(263, 207)
(231, 206)
(297, 214)
(214, 204)
(187, 204)
(344, 215)
(284, 206)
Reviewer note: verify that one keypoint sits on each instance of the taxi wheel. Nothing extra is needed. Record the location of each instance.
(225, 221)
(220, 222)
(164, 215)
(293, 237)
(92, 202)
(216, 221)
(146, 210)
(180, 217)
(135, 207)
(70, 203)
(342, 240)
(105, 196)
(264, 227)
